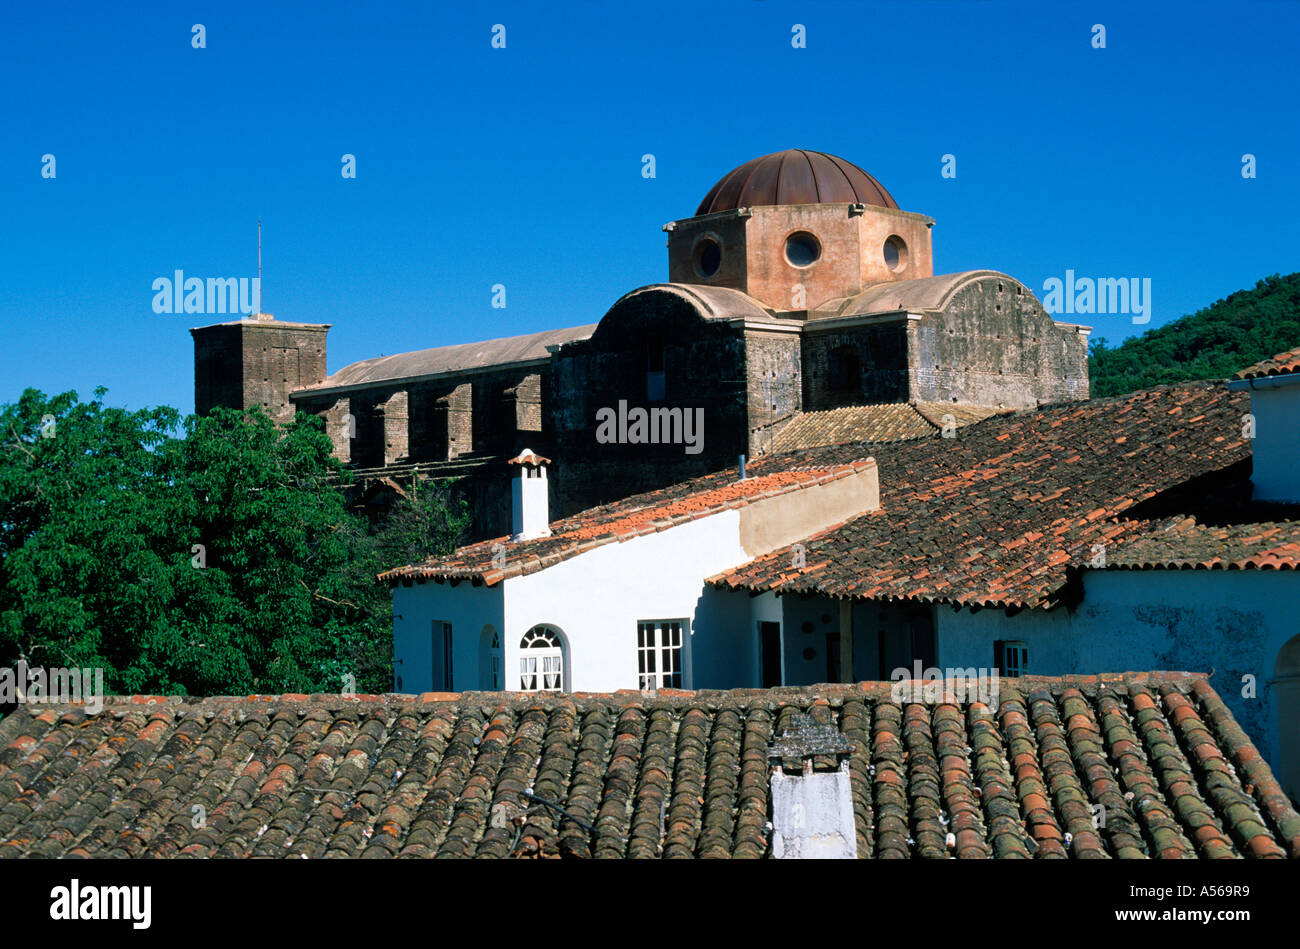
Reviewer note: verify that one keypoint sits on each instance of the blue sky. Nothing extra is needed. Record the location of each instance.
(522, 166)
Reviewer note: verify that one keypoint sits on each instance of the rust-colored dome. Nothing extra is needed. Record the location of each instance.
(795, 176)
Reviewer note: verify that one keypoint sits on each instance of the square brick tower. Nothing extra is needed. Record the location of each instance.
(257, 361)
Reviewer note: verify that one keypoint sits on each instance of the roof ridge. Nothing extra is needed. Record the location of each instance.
(825, 689)
(1283, 363)
(652, 518)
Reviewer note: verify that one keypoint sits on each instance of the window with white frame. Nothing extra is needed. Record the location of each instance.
(541, 661)
(659, 653)
(1011, 657)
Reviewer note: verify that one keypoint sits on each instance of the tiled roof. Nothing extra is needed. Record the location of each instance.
(623, 520)
(1001, 514)
(937, 412)
(1280, 364)
(1182, 543)
(998, 515)
(445, 359)
(1157, 755)
(888, 422)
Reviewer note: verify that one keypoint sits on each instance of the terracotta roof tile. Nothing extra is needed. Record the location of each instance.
(1280, 364)
(631, 517)
(1182, 543)
(886, 422)
(964, 519)
(674, 774)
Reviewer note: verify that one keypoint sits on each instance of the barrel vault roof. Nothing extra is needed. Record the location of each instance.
(448, 359)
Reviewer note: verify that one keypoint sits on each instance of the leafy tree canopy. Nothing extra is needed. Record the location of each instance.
(206, 555)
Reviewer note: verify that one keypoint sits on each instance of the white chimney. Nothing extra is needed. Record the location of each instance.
(530, 510)
(812, 811)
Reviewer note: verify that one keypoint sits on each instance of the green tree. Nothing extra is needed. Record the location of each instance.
(213, 555)
(83, 528)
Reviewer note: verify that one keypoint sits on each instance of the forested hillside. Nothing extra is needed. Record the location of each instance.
(1212, 343)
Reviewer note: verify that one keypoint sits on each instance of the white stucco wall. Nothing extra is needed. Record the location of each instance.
(466, 607)
(596, 599)
(1231, 622)
(872, 621)
(725, 644)
(820, 616)
(1275, 452)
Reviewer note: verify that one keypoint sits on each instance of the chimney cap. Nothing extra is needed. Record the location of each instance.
(528, 457)
(805, 738)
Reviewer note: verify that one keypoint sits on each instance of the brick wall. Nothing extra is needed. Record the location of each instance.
(527, 397)
(396, 430)
(774, 385)
(458, 406)
(880, 351)
(491, 412)
(239, 365)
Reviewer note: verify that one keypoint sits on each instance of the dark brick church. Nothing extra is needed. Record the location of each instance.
(801, 309)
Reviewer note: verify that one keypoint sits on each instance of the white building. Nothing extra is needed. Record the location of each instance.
(1082, 538)
(614, 599)
(1274, 387)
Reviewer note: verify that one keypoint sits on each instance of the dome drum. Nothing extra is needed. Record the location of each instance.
(796, 228)
(794, 257)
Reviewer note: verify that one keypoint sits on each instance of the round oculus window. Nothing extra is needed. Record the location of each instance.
(708, 257)
(802, 249)
(895, 253)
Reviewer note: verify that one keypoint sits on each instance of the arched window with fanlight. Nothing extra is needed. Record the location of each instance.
(489, 660)
(541, 660)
